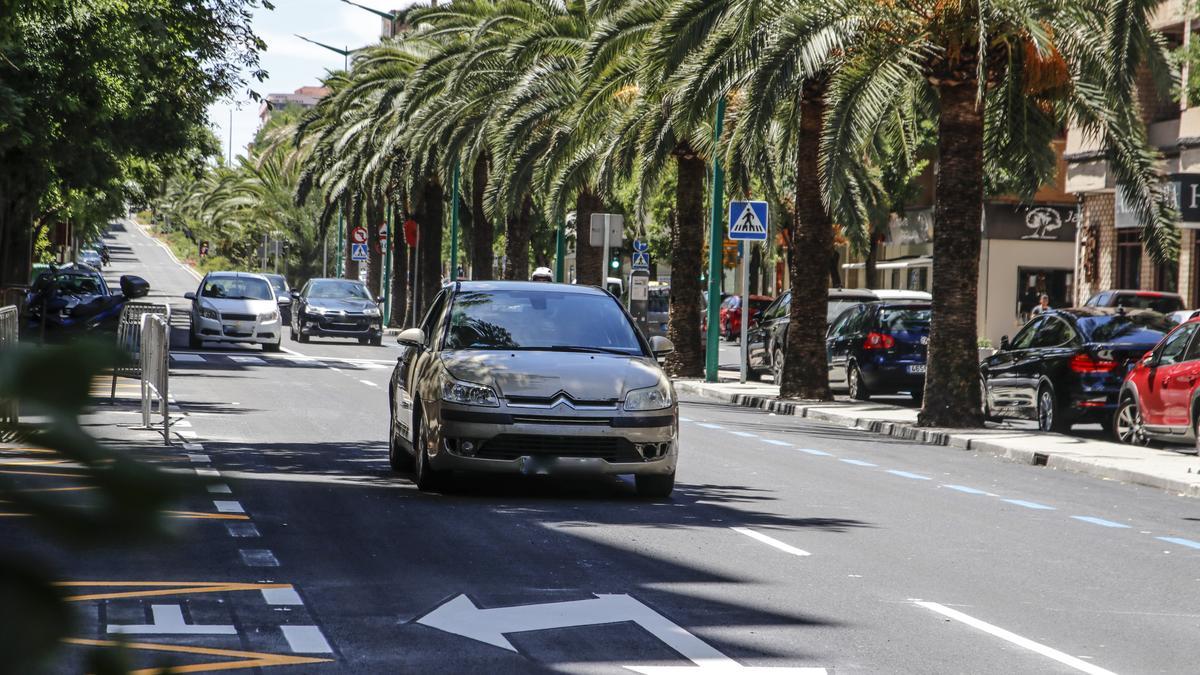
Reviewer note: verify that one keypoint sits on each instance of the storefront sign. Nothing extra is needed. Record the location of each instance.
(1030, 222)
(914, 227)
(1181, 190)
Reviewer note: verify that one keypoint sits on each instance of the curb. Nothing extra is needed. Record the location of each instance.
(943, 437)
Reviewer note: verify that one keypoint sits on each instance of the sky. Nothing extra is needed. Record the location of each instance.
(292, 63)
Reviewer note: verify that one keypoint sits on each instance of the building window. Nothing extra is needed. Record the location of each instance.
(1129, 259)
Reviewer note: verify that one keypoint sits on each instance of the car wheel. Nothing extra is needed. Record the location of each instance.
(658, 486)
(1049, 417)
(194, 341)
(363, 341)
(1127, 423)
(728, 332)
(1196, 430)
(377, 341)
(854, 382)
(398, 457)
(426, 477)
(301, 338)
(273, 346)
(777, 366)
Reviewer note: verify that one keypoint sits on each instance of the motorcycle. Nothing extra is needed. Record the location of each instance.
(61, 305)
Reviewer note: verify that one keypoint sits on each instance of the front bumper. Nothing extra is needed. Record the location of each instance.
(256, 332)
(500, 441)
(332, 325)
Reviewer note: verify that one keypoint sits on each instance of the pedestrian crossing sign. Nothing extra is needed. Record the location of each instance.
(748, 221)
(358, 252)
(641, 261)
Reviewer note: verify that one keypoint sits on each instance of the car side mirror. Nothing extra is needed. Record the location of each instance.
(412, 337)
(189, 296)
(1004, 343)
(284, 300)
(661, 346)
(379, 300)
(134, 286)
(294, 293)
(1148, 360)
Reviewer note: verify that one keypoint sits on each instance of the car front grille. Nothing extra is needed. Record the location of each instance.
(238, 317)
(512, 446)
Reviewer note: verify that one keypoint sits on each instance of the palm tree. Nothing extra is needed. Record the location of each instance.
(1002, 77)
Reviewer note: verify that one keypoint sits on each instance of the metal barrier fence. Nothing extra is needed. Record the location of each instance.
(154, 358)
(129, 337)
(9, 325)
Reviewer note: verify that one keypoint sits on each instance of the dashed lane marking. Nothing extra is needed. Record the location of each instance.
(369, 383)
(242, 530)
(857, 462)
(1101, 522)
(187, 358)
(815, 453)
(258, 557)
(770, 541)
(709, 425)
(1013, 638)
(281, 596)
(1029, 505)
(201, 515)
(224, 506)
(744, 434)
(967, 490)
(219, 488)
(907, 474)
(200, 459)
(1181, 541)
(772, 441)
(249, 360)
(306, 640)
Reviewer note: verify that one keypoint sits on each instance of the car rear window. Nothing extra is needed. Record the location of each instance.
(1158, 303)
(841, 304)
(760, 305)
(1139, 327)
(904, 319)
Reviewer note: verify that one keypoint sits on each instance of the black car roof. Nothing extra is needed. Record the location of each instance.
(529, 286)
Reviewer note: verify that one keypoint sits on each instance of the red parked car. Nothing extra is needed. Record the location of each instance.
(731, 314)
(1160, 398)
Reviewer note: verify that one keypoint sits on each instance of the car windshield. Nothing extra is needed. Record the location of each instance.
(904, 319)
(1147, 327)
(277, 283)
(338, 290)
(1159, 303)
(539, 320)
(82, 284)
(759, 305)
(838, 305)
(236, 288)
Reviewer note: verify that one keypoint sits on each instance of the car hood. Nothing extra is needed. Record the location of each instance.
(537, 374)
(335, 305)
(231, 306)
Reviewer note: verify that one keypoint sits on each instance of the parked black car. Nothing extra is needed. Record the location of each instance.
(1159, 301)
(1066, 366)
(879, 348)
(282, 291)
(336, 308)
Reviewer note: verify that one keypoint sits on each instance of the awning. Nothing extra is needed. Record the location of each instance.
(922, 261)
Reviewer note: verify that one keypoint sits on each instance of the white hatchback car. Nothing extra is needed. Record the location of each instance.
(236, 307)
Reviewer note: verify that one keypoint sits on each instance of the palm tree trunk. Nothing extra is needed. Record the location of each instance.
(375, 254)
(869, 266)
(353, 211)
(952, 381)
(432, 215)
(399, 288)
(687, 243)
(483, 233)
(587, 257)
(516, 241)
(805, 373)
(16, 245)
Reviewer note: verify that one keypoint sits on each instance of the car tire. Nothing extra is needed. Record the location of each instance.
(425, 476)
(1049, 416)
(854, 383)
(363, 341)
(377, 341)
(655, 486)
(301, 338)
(194, 341)
(273, 346)
(1196, 430)
(729, 332)
(1126, 424)
(398, 457)
(777, 366)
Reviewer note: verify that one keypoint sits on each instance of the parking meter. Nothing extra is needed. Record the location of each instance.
(639, 296)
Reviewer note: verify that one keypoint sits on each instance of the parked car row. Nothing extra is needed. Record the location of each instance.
(249, 308)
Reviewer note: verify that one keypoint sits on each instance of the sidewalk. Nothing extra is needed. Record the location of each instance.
(1154, 467)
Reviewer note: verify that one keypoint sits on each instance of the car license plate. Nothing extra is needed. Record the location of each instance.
(239, 327)
(917, 369)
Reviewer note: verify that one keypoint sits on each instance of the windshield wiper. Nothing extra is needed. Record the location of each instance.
(584, 350)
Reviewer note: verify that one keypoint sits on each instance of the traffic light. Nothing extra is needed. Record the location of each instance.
(615, 263)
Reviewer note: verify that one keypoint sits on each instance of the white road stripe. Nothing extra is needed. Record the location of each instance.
(770, 541)
(208, 473)
(193, 447)
(228, 506)
(281, 596)
(258, 557)
(772, 441)
(306, 640)
(369, 383)
(247, 359)
(857, 462)
(187, 358)
(818, 453)
(707, 425)
(203, 459)
(744, 434)
(685, 419)
(219, 489)
(996, 631)
(186, 434)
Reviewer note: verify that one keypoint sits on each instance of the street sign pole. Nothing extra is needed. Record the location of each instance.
(714, 245)
(454, 223)
(387, 268)
(745, 261)
(604, 261)
(560, 251)
(341, 247)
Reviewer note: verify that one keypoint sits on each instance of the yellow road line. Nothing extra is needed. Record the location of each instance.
(249, 659)
(33, 462)
(45, 473)
(210, 516)
(174, 588)
(21, 451)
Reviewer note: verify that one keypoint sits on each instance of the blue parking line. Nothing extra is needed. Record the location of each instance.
(1029, 505)
(857, 462)
(706, 425)
(744, 434)
(905, 474)
(964, 488)
(775, 442)
(1181, 541)
(818, 453)
(1100, 521)
(685, 419)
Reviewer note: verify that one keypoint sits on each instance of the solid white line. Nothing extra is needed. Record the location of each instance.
(210, 473)
(294, 352)
(306, 640)
(770, 541)
(1036, 647)
(369, 384)
(228, 507)
(281, 596)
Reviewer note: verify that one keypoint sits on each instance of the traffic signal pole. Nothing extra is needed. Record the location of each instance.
(715, 241)
(387, 267)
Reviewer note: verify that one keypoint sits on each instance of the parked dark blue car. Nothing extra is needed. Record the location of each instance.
(879, 348)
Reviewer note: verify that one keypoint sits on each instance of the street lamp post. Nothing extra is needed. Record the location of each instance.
(454, 223)
(715, 240)
(390, 17)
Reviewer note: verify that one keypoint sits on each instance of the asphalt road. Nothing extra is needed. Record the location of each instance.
(788, 544)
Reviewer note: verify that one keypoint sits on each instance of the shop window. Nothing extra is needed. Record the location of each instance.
(1035, 281)
(918, 278)
(1129, 259)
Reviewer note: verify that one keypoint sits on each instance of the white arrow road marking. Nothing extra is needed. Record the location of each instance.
(1036, 647)
(460, 616)
(168, 620)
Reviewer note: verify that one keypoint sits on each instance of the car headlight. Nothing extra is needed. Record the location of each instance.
(208, 313)
(469, 393)
(268, 316)
(371, 311)
(650, 398)
(319, 311)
